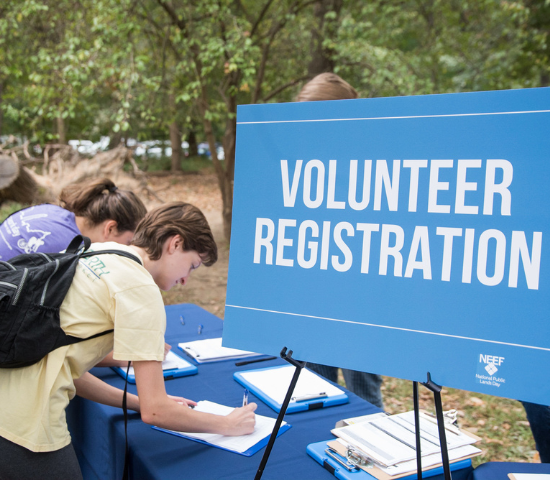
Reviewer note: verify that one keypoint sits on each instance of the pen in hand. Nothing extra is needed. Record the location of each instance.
(245, 398)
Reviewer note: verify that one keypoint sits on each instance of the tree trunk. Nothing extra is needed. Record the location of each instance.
(61, 130)
(175, 137)
(115, 139)
(321, 57)
(1, 111)
(229, 140)
(225, 175)
(192, 141)
(175, 142)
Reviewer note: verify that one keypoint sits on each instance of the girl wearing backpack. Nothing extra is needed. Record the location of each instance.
(110, 291)
(98, 210)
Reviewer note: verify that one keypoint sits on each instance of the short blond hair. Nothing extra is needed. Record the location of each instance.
(326, 86)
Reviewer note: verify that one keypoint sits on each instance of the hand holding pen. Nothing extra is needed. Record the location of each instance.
(242, 420)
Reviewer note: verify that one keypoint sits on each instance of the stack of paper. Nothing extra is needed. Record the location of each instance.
(389, 442)
(211, 350)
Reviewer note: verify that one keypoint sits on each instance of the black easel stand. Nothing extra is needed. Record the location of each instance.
(436, 389)
(284, 406)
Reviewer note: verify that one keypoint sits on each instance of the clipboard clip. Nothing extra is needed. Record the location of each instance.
(311, 396)
(357, 458)
(338, 458)
(192, 352)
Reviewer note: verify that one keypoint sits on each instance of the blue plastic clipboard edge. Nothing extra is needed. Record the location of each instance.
(293, 407)
(168, 374)
(317, 452)
(248, 453)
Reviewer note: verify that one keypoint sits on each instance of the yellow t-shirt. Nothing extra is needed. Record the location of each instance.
(108, 291)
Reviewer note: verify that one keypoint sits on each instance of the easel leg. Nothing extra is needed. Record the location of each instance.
(284, 406)
(417, 431)
(436, 389)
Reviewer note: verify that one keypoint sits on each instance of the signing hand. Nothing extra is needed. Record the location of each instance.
(242, 420)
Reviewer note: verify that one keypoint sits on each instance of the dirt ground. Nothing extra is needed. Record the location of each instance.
(206, 286)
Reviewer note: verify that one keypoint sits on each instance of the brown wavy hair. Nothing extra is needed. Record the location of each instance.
(102, 200)
(326, 86)
(176, 218)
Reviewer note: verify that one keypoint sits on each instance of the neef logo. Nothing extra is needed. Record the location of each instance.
(491, 359)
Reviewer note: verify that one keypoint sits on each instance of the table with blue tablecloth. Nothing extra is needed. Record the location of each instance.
(500, 470)
(98, 430)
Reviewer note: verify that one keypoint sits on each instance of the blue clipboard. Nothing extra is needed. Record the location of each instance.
(293, 407)
(318, 453)
(248, 453)
(186, 368)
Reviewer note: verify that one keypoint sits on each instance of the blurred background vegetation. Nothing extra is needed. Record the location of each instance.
(174, 71)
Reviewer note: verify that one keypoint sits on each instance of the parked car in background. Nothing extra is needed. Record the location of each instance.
(151, 148)
(160, 148)
(87, 147)
(204, 149)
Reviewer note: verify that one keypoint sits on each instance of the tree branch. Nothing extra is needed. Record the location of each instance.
(284, 87)
(260, 17)
(173, 16)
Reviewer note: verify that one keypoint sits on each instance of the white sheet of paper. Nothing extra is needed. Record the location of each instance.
(264, 427)
(211, 349)
(396, 430)
(275, 382)
(429, 428)
(531, 476)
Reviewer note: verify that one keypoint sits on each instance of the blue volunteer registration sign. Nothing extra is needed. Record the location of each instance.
(398, 236)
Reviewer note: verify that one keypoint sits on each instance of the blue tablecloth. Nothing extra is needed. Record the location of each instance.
(500, 470)
(98, 430)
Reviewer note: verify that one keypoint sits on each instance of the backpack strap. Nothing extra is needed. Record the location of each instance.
(70, 340)
(74, 246)
(122, 253)
(126, 472)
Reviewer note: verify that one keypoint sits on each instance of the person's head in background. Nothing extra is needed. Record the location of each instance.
(103, 212)
(326, 86)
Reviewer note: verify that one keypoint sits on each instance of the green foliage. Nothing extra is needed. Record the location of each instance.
(198, 164)
(126, 68)
(421, 47)
(7, 208)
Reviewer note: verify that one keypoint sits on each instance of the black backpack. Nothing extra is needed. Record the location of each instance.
(32, 289)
